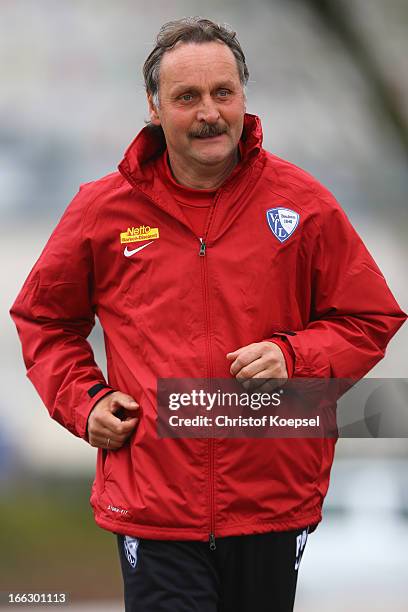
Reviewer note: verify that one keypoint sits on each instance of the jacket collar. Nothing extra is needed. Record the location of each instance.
(150, 143)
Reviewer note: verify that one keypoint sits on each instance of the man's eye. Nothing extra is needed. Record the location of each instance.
(186, 97)
(223, 93)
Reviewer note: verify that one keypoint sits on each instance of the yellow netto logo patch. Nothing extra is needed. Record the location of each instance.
(138, 234)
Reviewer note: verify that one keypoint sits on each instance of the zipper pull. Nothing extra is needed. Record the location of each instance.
(203, 246)
(212, 542)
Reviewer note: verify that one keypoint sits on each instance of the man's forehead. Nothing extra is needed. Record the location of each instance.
(194, 59)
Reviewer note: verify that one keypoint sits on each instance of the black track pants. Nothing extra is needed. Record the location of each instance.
(253, 573)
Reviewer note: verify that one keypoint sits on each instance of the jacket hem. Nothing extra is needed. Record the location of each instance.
(180, 533)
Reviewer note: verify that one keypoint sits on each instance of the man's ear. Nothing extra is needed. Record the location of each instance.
(153, 112)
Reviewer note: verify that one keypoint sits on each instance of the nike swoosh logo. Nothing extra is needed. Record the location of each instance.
(128, 253)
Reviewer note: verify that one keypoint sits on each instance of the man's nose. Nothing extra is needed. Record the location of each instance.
(208, 110)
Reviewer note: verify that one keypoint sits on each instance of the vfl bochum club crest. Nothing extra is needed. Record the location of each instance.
(282, 222)
(130, 546)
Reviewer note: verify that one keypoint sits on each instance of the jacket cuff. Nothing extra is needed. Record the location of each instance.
(288, 352)
(95, 393)
(309, 360)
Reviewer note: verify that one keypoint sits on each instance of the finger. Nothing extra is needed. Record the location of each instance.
(251, 369)
(123, 428)
(104, 440)
(107, 421)
(105, 432)
(108, 440)
(125, 436)
(244, 358)
(234, 354)
(106, 443)
(122, 400)
(127, 427)
(271, 364)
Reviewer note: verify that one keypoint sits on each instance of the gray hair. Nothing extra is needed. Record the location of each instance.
(187, 30)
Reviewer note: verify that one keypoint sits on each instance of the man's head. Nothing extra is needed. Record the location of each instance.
(195, 79)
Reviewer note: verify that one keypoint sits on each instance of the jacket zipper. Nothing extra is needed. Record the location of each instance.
(211, 459)
(202, 253)
(203, 247)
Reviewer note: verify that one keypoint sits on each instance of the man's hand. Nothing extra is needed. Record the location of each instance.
(105, 430)
(260, 360)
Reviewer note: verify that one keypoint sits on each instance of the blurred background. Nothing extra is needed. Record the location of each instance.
(329, 81)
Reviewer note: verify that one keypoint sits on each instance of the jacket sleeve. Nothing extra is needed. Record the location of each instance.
(353, 314)
(54, 315)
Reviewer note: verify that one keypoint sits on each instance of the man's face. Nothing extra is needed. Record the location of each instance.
(201, 103)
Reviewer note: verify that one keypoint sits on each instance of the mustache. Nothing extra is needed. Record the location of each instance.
(208, 129)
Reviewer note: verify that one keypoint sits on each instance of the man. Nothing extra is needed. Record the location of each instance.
(204, 256)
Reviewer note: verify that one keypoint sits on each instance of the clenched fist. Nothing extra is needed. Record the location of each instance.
(257, 362)
(105, 429)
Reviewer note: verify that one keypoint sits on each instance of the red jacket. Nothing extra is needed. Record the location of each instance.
(305, 280)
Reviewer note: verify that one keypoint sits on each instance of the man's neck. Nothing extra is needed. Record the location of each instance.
(202, 177)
